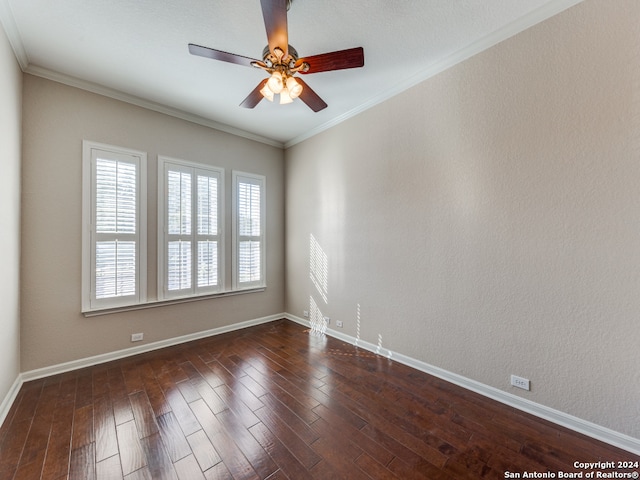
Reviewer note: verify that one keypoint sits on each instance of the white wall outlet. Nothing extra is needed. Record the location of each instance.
(327, 320)
(339, 323)
(520, 382)
(305, 313)
(137, 337)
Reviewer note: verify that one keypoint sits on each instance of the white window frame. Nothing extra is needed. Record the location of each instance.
(237, 178)
(90, 153)
(164, 164)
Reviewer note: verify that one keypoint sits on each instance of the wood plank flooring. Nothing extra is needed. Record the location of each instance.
(274, 402)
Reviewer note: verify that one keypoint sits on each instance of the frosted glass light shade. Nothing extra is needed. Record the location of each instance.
(285, 97)
(295, 89)
(275, 82)
(266, 92)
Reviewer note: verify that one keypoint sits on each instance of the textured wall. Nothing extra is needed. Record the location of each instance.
(56, 120)
(487, 221)
(10, 119)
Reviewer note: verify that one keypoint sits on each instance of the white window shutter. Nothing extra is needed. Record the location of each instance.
(249, 235)
(207, 224)
(189, 228)
(113, 219)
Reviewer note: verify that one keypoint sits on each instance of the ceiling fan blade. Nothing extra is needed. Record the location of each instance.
(255, 96)
(220, 55)
(310, 97)
(340, 60)
(275, 22)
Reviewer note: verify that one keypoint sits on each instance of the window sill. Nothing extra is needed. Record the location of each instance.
(171, 301)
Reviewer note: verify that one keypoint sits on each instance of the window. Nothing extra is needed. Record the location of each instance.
(189, 228)
(190, 236)
(248, 230)
(114, 226)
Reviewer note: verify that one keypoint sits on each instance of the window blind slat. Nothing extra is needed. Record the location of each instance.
(249, 261)
(207, 205)
(115, 197)
(249, 209)
(207, 264)
(115, 269)
(179, 265)
(178, 203)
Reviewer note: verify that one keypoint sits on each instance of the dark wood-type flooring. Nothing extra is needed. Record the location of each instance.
(273, 402)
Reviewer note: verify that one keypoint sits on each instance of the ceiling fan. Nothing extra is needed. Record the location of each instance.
(281, 61)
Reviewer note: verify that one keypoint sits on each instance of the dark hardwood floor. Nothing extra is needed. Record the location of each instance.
(274, 402)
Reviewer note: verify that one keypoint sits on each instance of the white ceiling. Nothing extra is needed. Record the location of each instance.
(136, 50)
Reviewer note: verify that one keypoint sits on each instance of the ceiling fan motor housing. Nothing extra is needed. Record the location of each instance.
(272, 60)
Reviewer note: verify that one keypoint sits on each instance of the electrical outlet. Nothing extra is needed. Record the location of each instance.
(327, 320)
(305, 313)
(520, 382)
(137, 337)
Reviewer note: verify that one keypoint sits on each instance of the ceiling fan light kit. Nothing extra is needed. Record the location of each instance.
(281, 62)
(267, 92)
(275, 83)
(295, 89)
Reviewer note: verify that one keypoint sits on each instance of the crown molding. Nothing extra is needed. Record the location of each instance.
(8, 22)
(149, 105)
(10, 27)
(539, 15)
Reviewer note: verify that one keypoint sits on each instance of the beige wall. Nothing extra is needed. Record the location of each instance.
(56, 120)
(10, 120)
(487, 221)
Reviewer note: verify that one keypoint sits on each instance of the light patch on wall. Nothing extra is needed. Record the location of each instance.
(316, 318)
(380, 350)
(357, 323)
(318, 267)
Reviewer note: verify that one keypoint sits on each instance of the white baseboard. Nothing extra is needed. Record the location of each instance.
(9, 398)
(128, 352)
(6, 404)
(590, 429)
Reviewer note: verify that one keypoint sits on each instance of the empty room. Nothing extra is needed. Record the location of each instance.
(287, 239)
